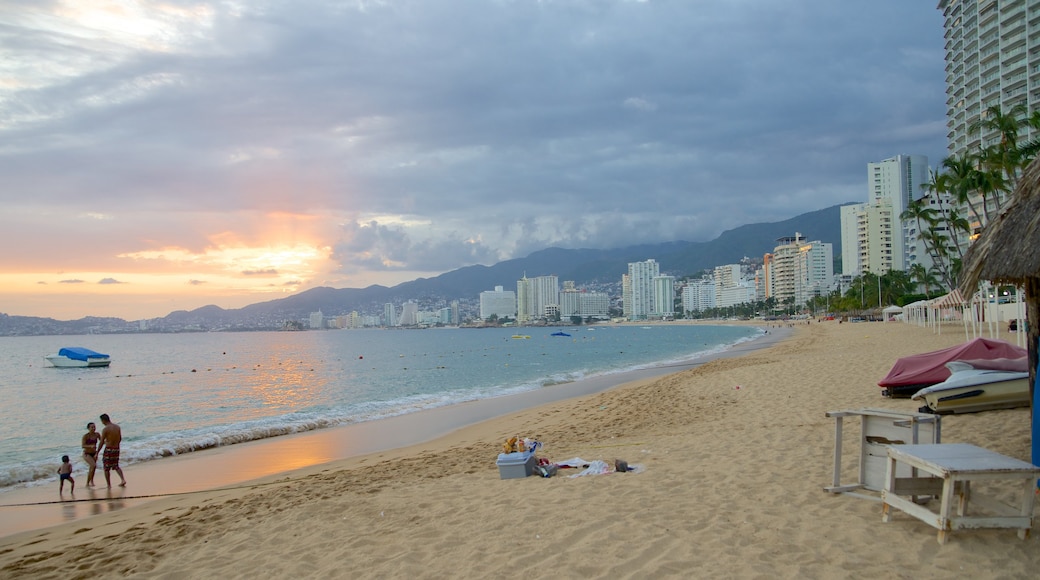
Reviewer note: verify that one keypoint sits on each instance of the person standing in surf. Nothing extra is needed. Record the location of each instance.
(111, 437)
(90, 451)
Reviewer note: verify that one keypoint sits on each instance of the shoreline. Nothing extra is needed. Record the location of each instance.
(734, 455)
(34, 508)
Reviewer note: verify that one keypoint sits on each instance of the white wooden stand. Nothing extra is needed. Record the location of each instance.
(880, 428)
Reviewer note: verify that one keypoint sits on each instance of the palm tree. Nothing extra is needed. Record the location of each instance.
(960, 179)
(924, 278)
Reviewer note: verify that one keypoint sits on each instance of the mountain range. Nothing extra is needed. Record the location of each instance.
(583, 266)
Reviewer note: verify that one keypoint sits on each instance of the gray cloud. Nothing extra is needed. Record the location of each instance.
(504, 127)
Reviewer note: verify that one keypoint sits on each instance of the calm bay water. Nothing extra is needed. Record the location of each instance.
(178, 393)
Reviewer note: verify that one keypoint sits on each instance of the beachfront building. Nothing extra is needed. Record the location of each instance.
(638, 289)
(584, 304)
(664, 296)
(499, 303)
(537, 298)
(409, 314)
(992, 60)
(874, 236)
(317, 320)
(873, 245)
(799, 269)
(389, 315)
(814, 271)
(698, 296)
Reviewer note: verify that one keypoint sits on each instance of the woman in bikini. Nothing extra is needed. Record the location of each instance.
(89, 444)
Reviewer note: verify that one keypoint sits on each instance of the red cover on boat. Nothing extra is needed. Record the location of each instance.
(928, 368)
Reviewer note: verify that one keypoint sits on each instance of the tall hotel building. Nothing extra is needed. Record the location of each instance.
(638, 289)
(992, 59)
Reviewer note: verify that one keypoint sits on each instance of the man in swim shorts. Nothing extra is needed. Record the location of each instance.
(111, 437)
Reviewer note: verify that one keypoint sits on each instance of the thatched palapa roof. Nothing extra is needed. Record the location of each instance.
(1007, 252)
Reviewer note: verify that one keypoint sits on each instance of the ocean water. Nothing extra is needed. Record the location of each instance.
(178, 393)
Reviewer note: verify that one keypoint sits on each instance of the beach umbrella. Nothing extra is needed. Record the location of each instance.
(1006, 253)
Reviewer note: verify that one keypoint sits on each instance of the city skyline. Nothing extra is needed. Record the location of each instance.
(161, 157)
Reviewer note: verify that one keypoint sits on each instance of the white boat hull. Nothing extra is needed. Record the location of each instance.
(974, 390)
(65, 362)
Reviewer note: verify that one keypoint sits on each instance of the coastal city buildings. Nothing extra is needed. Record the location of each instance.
(992, 60)
(582, 303)
(638, 289)
(874, 236)
(698, 295)
(409, 314)
(799, 269)
(663, 296)
(537, 298)
(499, 303)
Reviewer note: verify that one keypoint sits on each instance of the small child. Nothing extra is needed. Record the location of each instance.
(65, 472)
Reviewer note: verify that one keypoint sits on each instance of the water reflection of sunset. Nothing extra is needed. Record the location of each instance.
(287, 383)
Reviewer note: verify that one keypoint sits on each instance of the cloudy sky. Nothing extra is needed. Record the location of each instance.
(165, 155)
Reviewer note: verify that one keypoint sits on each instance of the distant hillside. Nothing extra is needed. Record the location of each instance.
(583, 266)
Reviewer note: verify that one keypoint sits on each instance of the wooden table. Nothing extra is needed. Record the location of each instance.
(949, 469)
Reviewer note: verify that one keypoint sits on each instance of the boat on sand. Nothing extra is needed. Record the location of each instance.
(912, 373)
(970, 390)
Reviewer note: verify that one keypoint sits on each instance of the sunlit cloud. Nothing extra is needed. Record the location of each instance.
(110, 281)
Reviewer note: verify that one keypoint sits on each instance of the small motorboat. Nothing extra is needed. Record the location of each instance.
(970, 390)
(912, 373)
(559, 333)
(521, 336)
(78, 357)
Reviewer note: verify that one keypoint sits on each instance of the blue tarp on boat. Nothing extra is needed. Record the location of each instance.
(80, 353)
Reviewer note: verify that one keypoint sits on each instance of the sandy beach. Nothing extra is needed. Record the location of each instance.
(734, 455)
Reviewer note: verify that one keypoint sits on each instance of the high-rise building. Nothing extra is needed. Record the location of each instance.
(800, 269)
(409, 314)
(389, 315)
(992, 60)
(537, 297)
(641, 280)
(498, 303)
(664, 296)
(698, 296)
(899, 180)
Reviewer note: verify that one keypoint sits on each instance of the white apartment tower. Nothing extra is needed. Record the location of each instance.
(664, 296)
(698, 296)
(499, 303)
(874, 236)
(641, 281)
(992, 59)
(537, 297)
(899, 180)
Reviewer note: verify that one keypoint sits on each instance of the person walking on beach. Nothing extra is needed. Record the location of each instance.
(65, 472)
(111, 437)
(90, 451)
